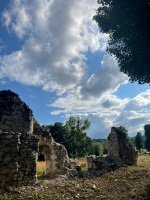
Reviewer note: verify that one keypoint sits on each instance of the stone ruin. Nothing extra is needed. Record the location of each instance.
(120, 153)
(21, 139)
(120, 148)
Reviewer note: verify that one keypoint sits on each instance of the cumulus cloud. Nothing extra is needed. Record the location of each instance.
(2, 45)
(99, 127)
(56, 36)
(95, 92)
(95, 98)
(108, 111)
(136, 113)
(101, 117)
(107, 79)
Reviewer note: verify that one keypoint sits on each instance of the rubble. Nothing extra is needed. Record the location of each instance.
(120, 153)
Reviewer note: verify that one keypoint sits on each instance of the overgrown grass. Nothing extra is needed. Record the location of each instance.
(41, 169)
(83, 163)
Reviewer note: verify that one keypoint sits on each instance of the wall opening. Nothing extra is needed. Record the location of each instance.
(41, 165)
(41, 157)
(43, 161)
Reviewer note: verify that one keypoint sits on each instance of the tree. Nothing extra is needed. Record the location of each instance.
(127, 23)
(139, 141)
(78, 124)
(147, 135)
(73, 136)
(79, 143)
(58, 132)
(123, 129)
(122, 132)
(97, 149)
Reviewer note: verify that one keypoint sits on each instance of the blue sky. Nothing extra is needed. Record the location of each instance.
(54, 57)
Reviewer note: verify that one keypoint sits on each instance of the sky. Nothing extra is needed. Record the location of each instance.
(53, 55)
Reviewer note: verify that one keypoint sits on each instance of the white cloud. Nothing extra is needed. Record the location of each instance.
(17, 19)
(95, 99)
(136, 113)
(106, 80)
(2, 45)
(95, 92)
(108, 111)
(56, 36)
(99, 127)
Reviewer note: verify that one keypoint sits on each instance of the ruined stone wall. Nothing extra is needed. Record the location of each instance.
(18, 146)
(27, 159)
(9, 148)
(15, 115)
(120, 152)
(56, 156)
(120, 148)
(20, 140)
(113, 145)
(17, 158)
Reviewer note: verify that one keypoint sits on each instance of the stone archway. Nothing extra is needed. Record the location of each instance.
(55, 156)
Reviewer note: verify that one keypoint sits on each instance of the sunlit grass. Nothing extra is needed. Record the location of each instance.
(41, 168)
(83, 163)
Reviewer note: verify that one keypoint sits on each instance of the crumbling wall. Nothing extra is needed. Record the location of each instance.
(120, 148)
(104, 164)
(27, 159)
(15, 115)
(120, 153)
(20, 140)
(18, 146)
(56, 156)
(17, 158)
(9, 148)
(113, 145)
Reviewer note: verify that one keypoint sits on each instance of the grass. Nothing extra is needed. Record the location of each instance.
(41, 168)
(83, 163)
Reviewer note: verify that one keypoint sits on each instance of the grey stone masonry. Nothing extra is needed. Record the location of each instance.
(21, 139)
(120, 147)
(120, 152)
(9, 149)
(18, 145)
(56, 155)
(15, 115)
(17, 158)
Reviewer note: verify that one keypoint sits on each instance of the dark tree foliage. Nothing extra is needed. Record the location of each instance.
(73, 136)
(139, 141)
(97, 149)
(147, 135)
(79, 144)
(58, 132)
(127, 23)
(104, 145)
(122, 132)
